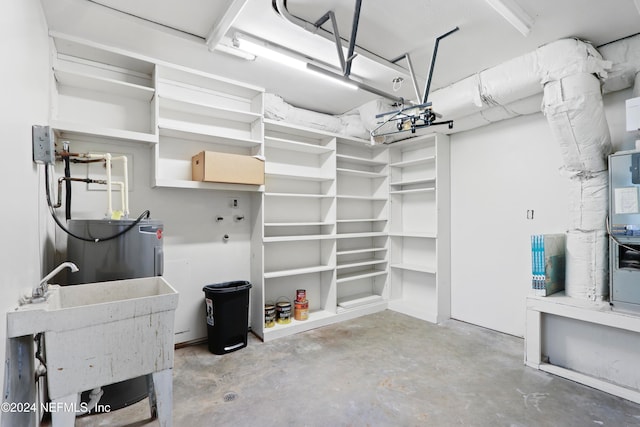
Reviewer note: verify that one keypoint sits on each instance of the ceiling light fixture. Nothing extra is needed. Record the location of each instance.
(514, 14)
(232, 50)
(284, 56)
(264, 49)
(333, 77)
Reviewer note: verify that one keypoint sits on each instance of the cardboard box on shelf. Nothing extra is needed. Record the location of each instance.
(212, 166)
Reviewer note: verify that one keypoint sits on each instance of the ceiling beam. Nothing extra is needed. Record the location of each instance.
(223, 23)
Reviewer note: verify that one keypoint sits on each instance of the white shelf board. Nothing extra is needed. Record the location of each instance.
(414, 234)
(415, 162)
(413, 191)
(201, 133)
(82, 131)
(360, 160)
(361, 251)
(360, 263)
(272, 172)
(299, 195)
(414, 182)
(316, 319)
(297, 271)
(291, 145)
(304, 237)
(102, 84)
(295, 224)
(357, 300)
(363, 234)
(414, 267)
(308, 132)
(203, 109)
(368, 198)
(359, 173)
(200, 185)
(359, 275)
(344, 221)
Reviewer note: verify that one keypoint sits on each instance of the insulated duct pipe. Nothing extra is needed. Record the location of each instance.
(570, 73)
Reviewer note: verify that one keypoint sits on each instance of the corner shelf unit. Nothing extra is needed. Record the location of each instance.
(302, 231)
(419, 227)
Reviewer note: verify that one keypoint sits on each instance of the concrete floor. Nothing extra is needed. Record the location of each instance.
(385, 369)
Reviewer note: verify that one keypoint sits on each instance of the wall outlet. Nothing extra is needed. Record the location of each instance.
(43, 145)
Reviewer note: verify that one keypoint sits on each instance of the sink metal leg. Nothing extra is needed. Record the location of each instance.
(63, 411)
(161, 396)
(151, 392)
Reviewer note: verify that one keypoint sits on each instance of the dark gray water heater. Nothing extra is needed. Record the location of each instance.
(136, 253)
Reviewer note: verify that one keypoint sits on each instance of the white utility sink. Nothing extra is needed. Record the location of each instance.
(101, 333)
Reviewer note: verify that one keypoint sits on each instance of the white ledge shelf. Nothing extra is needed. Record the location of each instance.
(360, 263)
(296, 224)
(363, 234)
(415, 162)
(291, 145)
(413, 191)
(80, 131)
(361, 251)
(415, 182)
(348, 277)
(200, 185)
(300, 238)
(202, 133)
(356, 220)
(360, 160)
(414, 234)
(414, 267)
(273, 172)
(102, 84)
(366, 198)
(184, 105)
(299, 195)
(357, 300)
(297, 271)
(359, 173)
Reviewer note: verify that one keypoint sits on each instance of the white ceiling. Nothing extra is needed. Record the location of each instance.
(387, 29)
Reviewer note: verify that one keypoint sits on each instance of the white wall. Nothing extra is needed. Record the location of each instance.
(24, 102)
(498, 172)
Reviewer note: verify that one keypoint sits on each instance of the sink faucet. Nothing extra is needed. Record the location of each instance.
(43, 286)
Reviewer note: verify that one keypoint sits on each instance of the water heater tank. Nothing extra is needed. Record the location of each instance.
(136, 253)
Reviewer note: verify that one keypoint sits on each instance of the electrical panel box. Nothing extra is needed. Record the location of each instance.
(633, 114)
(43, 145)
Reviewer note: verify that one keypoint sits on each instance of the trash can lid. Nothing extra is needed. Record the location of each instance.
(234, 286)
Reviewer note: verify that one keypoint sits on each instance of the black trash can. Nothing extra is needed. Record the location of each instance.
(227, 307)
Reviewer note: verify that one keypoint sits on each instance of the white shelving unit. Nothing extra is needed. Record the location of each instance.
(199, 111)
(362, 223)
(101, 93)
(299, 226)
(419, 227)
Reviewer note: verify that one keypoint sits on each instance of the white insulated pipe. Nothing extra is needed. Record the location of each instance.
(124, 189)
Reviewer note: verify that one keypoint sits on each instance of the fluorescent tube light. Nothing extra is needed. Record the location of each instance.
(269, 51)
(514, 14)
(230, 50)
(333, 77)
